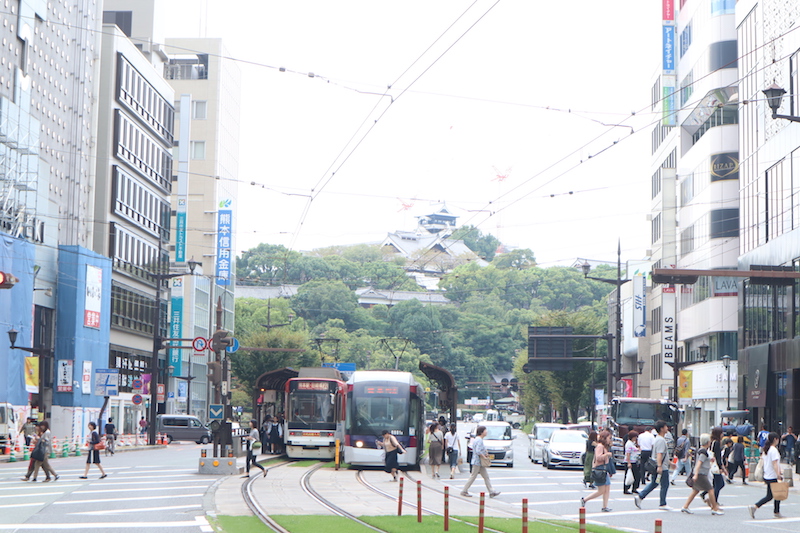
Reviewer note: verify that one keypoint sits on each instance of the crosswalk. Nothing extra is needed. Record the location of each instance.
(132, 497)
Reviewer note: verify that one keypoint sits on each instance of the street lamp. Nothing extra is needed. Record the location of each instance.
(726, 360)
(45, 354)
(613, 374)
(678, 365)
(158, 341)
(774, 96)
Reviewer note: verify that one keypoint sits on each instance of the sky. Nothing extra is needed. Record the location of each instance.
(529, 119)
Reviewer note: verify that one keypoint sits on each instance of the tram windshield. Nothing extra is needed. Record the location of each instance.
(311, 405)
(379, 406)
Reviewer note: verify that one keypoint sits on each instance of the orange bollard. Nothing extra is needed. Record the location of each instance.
(400, 499)
(658, 525)
(582, 519)
(480, 512)
(447, 508)
(747, 470)
(524, 515)
(419, 501)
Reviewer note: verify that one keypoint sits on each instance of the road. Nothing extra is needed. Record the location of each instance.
(558, 492)
(156, 490)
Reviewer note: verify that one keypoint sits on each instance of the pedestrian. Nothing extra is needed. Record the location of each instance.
(30, 429)
(275, 436)
(435, 449)
(762, 436)
(481, 461)
(715, 449)
(602, 478)
(453, 444)
(790, 438)
(772, 473)
(34, 464)
(661, 456)
(588, 459)
(253, 447)
(699, 479)
(392, 448)
(143, 426)
(94, 453)
(736, 460)
(111, 435)
(632, 463)
(442, 423)
(646, 440)
(264, 434)
(684, 465)
(47, 445)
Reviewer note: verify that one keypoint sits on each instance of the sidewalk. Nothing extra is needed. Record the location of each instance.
(119, 449)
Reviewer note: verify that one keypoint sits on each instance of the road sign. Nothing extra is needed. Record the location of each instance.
(138, 384)
(234, 345)
(199, 344)
(216, 411)
(106, 382)
(137, 399)
(160, 393)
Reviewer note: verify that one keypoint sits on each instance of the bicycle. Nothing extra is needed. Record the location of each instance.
(110, 444)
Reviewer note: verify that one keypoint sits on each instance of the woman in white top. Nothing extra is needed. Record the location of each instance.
(632, 463)
(253, 449)
(772, 473)
(453, 448)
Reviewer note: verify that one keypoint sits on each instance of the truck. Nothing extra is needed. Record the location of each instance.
(640, 414)
(9, 427)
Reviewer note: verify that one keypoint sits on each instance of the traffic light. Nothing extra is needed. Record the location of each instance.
(214, 372)
(7, 280)
(220, 340)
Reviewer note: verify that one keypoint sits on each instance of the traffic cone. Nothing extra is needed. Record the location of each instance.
(165, 440)
(12, 456)
(53, 448)
(27, 455)
(747, 470)
(65, 448)
(77, 448)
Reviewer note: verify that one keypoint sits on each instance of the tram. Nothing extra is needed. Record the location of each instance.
(380, 400)
(315, 413)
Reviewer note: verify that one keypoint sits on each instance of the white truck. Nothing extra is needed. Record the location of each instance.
(9, 429)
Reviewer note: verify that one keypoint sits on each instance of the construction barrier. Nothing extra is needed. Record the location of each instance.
(400, 499)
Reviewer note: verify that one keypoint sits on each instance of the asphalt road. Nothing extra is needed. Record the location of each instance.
(156, 490)
(558, 492)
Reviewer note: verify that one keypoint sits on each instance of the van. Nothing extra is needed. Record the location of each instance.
(183, 427)
(9, 428)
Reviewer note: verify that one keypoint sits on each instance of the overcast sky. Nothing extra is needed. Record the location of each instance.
(492, 107)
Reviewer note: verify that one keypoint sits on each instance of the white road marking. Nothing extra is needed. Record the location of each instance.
(37, 486)
(150, 489)
(11, 506)
(139, 510)
(27, 495)
(127, 499)
(199, 521)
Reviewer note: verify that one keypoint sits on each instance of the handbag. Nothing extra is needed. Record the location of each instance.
(100, 446)
(651, 466)
(759, 472)
(690, 481)
(629, 477)
(486, 461)
(599, 475)
(449, 450)
(38, 453)
(256, 445)
(715, 469)
(780, 490)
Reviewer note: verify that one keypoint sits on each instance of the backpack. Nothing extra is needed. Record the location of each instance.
(680, 449)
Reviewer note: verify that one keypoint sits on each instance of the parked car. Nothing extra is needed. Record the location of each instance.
(537, 439)
(183, 427)
(565, 448)
(499, 442)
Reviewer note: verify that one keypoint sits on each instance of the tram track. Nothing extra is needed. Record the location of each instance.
(455, 494)
(252, 503)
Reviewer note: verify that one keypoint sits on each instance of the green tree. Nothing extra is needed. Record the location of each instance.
(483, 245)
(319, 301)
(265, 264)
(515, 259)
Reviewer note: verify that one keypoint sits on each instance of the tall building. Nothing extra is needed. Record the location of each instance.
(769, 350)
(132, 208)
(694, 202)
(207, 93)
(49, 69)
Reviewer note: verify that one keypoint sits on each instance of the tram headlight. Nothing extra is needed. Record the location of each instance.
(359, 444)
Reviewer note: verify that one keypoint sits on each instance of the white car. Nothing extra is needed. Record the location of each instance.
(566, 447)
(499, 442)
(539, 437)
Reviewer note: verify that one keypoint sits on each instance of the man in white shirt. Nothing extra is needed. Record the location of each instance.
(661, 455)
(646, 440)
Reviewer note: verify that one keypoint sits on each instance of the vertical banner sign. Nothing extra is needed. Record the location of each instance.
(224, 242)
(32, 374)
(185, 115)
(668, 329)
(668, 85)
(668, 48)
(64, 379)
(626, 387)
(176, 325)
(668, 98)
(86, 380)
(182, 389)
(93, 301)
(639, 305)
(685, 392)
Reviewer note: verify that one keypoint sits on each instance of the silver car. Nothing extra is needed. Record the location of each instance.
(539, 437)
(566, 447)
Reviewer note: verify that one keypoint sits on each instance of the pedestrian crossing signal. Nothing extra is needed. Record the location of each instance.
(7, 280)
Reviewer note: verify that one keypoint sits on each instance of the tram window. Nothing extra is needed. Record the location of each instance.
(373, 414)
(311, 408)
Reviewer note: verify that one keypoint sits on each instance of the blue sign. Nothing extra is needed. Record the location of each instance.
(668, 41)
(106, 382)
(182, 389)
(224, 263)
(176, 329)
(341, 367)
(233, 346)
(216, 411)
